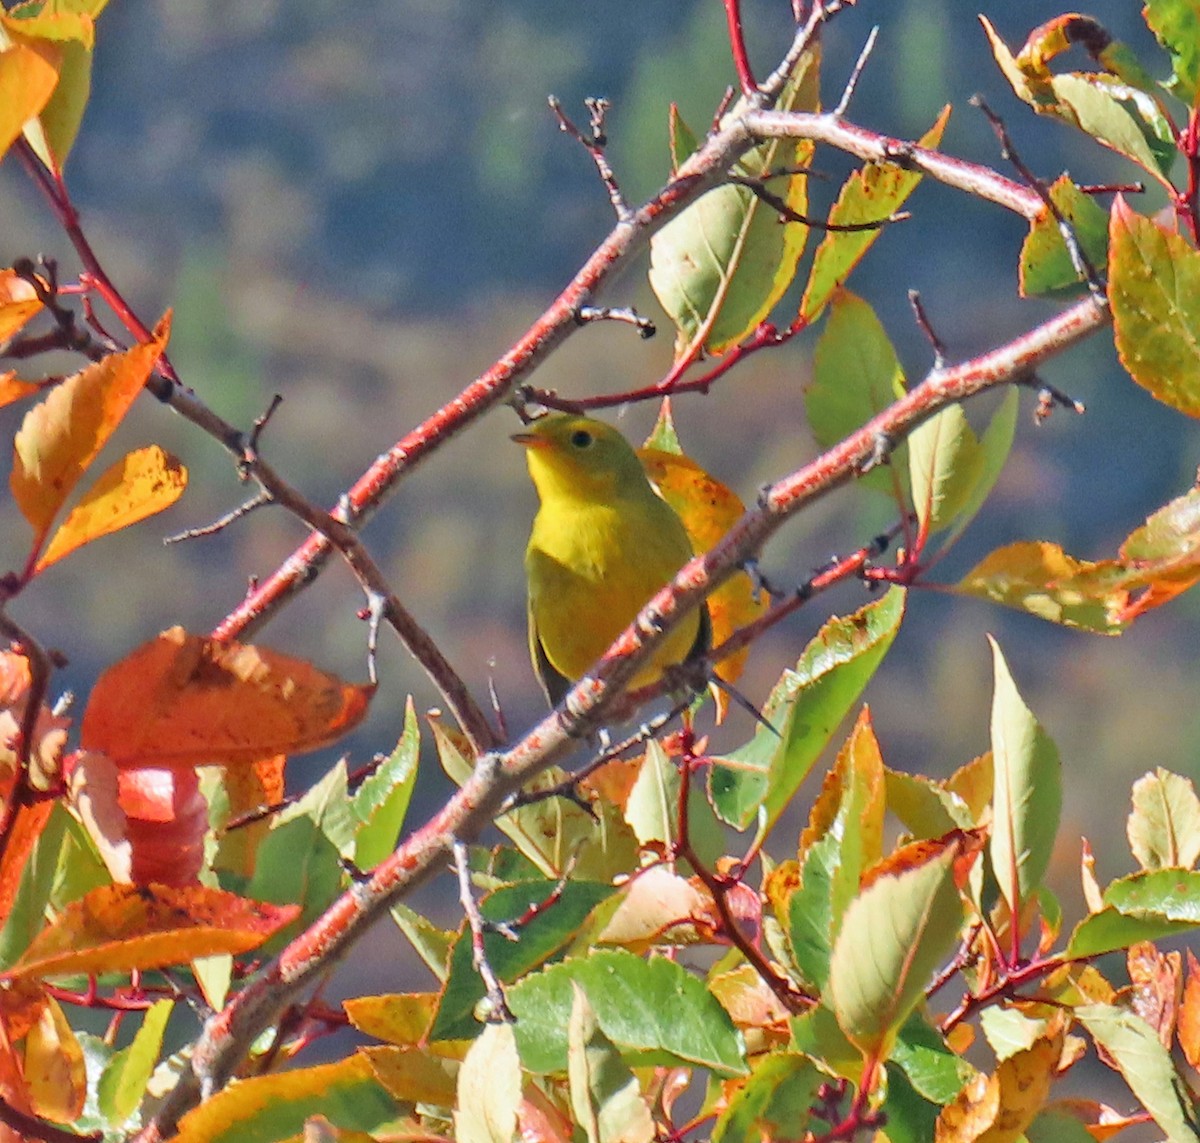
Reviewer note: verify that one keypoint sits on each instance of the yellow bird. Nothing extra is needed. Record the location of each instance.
(603, 543)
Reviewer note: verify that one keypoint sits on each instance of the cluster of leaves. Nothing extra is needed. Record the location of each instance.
(142, 868)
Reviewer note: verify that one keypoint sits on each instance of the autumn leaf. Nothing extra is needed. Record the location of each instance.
(183, 700)
(62, 435)
(18, 300)
(120, 928)
(708, 509)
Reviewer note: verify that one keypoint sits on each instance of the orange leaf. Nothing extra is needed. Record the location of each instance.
(26, 829)
(13, 389)
(183, 700)
(141, 484)
(61, 435)
(54, 1068)
(1156, 981)
(18, 300)
(119, 928)
(1189, 1013)
(28, 75)
(708, 510)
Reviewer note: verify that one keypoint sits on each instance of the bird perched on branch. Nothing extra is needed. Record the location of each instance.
(603, 543)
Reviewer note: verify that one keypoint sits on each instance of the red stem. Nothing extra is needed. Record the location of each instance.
(737, 44)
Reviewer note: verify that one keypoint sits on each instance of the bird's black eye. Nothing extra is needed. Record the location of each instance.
(581, 438)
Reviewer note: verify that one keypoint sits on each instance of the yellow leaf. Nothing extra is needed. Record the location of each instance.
(119, 928)
(18, 299)
(415, 1075)
(61, 436)
(54, 1068)
(141, 484)
(28, 73)
(998, 1108)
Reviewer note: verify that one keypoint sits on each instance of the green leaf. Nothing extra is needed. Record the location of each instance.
(1046, 266)
(1057, 1126)
(1154, 290)
(296, 864)
(856, 374)
(380, 804)
(1176, 23)
(924, 807)
(1171, 893)
(430, 943)
(1117, 107)
(124, 1081)
(653, 1011)
(776, 1102)
(719, 267)
(28, 915)
(810, 913)
(683, 138)
(1119, 117)
(489, 1088)
(934, 1070)
(870, 194)
(605, 1095)
(1164, 827)
(910, 1117)
(858, 821)
(1141, 907)
(817, 1033)
(952, 471)
(1147, 1067)
(893, 936)
(70, 26)
(540, 939)
(807, 705)
(554, 832)
(1027, 791)
(1009, 1030)
(944, 466)
(992, 452)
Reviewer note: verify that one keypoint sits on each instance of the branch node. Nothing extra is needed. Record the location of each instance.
(646, 328)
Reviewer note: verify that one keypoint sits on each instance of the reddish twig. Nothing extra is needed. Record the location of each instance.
(737, 45)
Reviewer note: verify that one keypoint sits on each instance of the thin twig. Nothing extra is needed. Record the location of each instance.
(1081, 263)
(594, 145)
(856, 74)
(926, 327)
(499, 1010)
(259, 500)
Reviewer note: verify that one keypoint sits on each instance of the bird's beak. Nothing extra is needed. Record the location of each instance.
(530, 440)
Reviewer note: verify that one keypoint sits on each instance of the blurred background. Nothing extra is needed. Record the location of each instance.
(360, 207)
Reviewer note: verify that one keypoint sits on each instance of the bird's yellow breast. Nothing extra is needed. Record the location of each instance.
(591, 569)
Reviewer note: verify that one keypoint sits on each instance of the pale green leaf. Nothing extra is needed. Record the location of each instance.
(1027, 791)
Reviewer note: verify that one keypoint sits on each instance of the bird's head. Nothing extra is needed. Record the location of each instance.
(576, 456)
